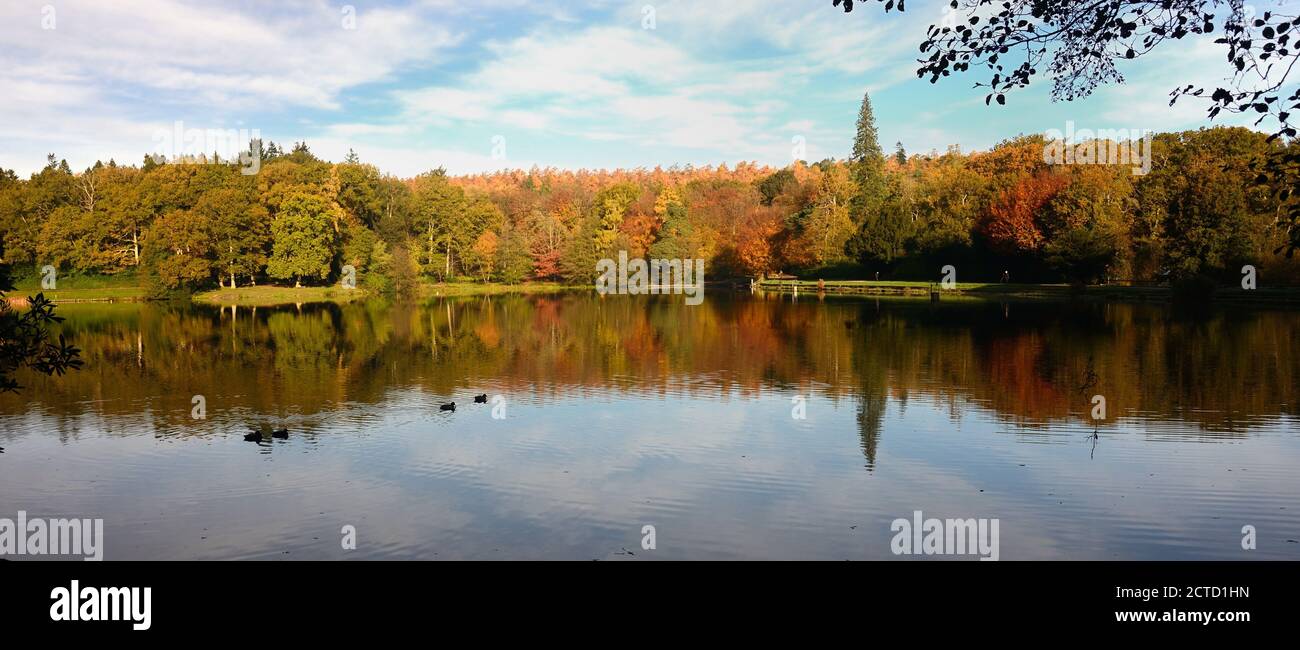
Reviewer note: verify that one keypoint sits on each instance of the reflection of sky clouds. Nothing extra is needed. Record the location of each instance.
(577, 479)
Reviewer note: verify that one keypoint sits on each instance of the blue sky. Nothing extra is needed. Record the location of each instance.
(475, 85)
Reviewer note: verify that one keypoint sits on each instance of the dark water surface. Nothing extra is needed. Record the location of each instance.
(628, 411)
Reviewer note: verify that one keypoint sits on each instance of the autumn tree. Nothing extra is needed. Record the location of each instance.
(612, 205)
(949, 200)
(1012, 223)
(829, 224)
(453, 222)
(755, 250)
(482, 256)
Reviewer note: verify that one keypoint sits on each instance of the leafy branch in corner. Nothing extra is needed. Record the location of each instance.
(1079, 43)
(25, 338)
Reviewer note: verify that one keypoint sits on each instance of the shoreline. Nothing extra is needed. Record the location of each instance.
(272, 295)
(992, 291)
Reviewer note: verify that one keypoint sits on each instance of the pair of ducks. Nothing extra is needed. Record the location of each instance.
(451, 406)
(258, 436)
(283, 434)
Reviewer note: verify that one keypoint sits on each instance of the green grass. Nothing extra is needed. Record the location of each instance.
(81, 288)
(126, 288)
(270, 295)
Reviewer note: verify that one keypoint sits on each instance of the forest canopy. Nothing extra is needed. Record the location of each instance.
(191, 225)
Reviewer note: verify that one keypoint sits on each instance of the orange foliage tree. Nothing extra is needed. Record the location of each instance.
(1012, 222)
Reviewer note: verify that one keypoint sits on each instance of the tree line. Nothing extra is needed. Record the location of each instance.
(194, 224)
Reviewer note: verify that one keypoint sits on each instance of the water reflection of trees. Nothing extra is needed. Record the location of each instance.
(1030, 363)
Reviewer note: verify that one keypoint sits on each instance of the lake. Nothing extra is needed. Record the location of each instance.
(748, 427)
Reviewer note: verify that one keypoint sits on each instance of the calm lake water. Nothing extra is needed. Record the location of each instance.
(630, 411)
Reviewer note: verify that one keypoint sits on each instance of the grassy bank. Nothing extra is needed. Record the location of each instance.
(80, 288)
(126, 288)
(1263, 295)
(269, 295)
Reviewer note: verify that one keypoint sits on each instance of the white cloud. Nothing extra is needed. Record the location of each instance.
(146, 63)
(197, 52)
(582, 81)
(605, 83)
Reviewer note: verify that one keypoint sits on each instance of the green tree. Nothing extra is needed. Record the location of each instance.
(124, 216)
(240, 232)
(360, 245)
(47, 190)
(513, 262)
(1214, 220)
(868, 164)
(886, 233)
(358, 192)
(435, 204)
(1093, 212)
(302, 239)
(578, 261)
(776, 184)
(675, 234)
(1081, 254)
(178, 252)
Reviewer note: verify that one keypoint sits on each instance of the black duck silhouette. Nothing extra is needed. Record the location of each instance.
(480, 399)
(450, 406)
(255, 436)
(280, 433)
